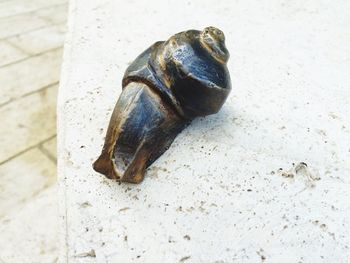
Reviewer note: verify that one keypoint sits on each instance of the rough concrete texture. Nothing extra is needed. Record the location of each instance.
(226, 190)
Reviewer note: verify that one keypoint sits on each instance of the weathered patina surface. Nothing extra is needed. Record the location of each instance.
(166, 87)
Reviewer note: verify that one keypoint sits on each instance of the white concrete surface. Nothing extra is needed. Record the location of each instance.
(217, 195)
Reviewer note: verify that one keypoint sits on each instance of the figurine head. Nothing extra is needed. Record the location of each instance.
(189, 69)
(213, 39)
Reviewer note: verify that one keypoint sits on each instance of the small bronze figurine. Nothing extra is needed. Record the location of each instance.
(167, 86)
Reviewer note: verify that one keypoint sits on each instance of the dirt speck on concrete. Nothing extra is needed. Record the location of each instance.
(184, 258)
(91, 254)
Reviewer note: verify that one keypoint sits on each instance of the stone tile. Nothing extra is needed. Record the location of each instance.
(10, 8)
(24, 177)
(50, 148)
(15, 7)
(29, 75)
(56, 15)
(39, 41)
(31, 234)
(9, 53)
(27, 121)
(11, 26)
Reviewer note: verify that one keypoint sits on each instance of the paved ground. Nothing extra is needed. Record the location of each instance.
(31, 39)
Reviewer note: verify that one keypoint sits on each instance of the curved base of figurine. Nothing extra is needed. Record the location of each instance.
(142, 128)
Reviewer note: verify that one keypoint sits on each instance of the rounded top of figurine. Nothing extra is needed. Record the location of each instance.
(189, 69)
(213, 39)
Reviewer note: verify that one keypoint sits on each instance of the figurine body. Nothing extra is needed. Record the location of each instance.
(166, 87)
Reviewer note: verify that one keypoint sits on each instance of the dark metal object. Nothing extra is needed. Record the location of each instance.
(166, 87)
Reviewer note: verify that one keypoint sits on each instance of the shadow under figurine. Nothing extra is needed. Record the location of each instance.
(164, 89)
